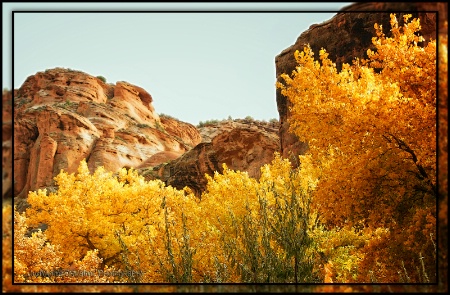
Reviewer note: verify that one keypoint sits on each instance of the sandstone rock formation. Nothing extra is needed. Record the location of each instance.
(345, 36)
(7, 144)
(63, 116)
(243, 145)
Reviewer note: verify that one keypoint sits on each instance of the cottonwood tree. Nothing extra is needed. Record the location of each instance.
(134, 225)
(371, 130)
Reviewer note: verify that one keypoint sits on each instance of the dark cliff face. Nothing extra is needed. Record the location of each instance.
(346, 36)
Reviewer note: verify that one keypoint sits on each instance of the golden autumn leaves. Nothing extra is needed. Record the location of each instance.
(361, 207)
(371, 129)
(168, 235)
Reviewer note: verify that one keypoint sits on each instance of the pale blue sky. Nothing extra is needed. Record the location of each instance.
(196, 65)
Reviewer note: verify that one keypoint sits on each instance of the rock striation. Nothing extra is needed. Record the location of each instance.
(62, 116)
(243, 145)
(7, 148)
(345, 36)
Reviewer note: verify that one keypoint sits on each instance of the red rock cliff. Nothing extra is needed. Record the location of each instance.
(7, 144)
(243, 145)
(62, 116)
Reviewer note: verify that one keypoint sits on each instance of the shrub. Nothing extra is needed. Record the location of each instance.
(102, 78)
(207, 123)
(167, 116)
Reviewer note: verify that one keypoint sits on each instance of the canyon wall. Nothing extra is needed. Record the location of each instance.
(346, 36)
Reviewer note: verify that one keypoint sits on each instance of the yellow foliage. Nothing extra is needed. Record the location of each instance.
(371, 129)
(38, 261)
(123, 218)
(166, 235)
(262, 226)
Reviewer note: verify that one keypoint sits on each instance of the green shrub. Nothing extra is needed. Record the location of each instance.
(207, 122)
(159, 127)
(167, 116)
(102, 78)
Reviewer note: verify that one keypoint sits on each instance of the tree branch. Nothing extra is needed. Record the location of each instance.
(404, 147)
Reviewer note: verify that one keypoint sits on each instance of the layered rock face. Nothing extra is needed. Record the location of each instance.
(243, 145)
(7, 144)
(345, 36)
(62, 116)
